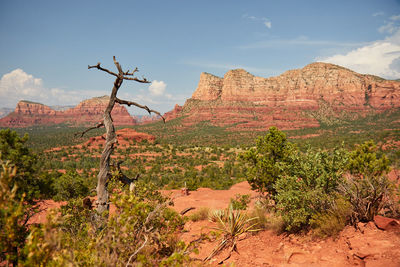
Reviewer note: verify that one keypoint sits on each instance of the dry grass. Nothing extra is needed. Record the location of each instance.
(200, 215)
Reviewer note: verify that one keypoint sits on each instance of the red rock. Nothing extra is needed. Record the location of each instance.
(173, 113)
(385, 223)
(292, 100)
(124, 136)
(88, 112)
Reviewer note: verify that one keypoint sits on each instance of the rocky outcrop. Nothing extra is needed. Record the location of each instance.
(91, 110)
(87, 112)
(296, 99)
(209, 87)
(124, 137)
(144, 119)
(173, 114)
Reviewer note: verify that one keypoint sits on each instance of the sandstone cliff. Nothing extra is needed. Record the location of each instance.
(87, 112)
(296, 99)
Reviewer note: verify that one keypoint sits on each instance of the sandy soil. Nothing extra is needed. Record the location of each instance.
(367, 246)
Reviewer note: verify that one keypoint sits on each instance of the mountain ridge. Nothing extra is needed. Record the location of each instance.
(87, 112)
(298, 98)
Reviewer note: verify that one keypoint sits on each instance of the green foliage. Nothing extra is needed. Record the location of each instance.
(364, 161)
(141, 231)
(263, 162)
(199, 215)
(240, 202)
(368, 188)
(232, 223)
(308, 186)
(13, 149)
(71, 185)
(330, 222)
(13, 215)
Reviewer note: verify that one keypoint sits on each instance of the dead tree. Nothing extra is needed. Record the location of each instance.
(111, 139)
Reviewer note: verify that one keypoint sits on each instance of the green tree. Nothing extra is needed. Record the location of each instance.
(309, 185)
(368, 187)
(263, 161)
(14, 150)
(13, 216)
(71, 185)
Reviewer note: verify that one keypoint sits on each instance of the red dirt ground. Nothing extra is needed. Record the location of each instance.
(367, 246)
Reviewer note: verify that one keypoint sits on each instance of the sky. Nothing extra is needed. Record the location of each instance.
(46, 46)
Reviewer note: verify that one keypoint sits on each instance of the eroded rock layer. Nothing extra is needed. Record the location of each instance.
(296, 99)
(88, 112)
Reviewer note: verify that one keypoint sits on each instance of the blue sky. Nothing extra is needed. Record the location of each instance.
(46, 45)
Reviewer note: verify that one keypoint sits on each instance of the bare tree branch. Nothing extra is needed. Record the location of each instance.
(133, 256)
(131, 73)
(100, 124)
(111, 138)
(120, 72)
(143, 80)
(103, 69)
(130, 103)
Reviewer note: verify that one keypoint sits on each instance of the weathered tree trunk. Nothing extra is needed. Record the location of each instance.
(111, 139)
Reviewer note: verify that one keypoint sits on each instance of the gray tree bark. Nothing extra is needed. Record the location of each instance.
(111, 139)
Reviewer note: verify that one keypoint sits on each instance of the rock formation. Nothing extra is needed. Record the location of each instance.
(124, 137)
(88, 112)
(296, 99)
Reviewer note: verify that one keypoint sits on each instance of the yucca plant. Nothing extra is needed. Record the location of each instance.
(232, 223)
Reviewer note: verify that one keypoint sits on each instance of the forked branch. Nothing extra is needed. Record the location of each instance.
(100, 124)
(103, 69)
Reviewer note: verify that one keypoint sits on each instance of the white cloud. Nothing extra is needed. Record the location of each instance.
(390, 26)
(395, 17)
(379, 13)
(157, 88)
(267, 22)
(380, 58)
(300, 40)
(18, 85)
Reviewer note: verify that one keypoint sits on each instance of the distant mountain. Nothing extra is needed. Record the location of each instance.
(301, 98)
(88, 112)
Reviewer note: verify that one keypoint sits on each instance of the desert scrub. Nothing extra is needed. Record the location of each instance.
(332, 221)
(231, 223)
(240, 202)
(142, 231)
(368, 188)
(199, 215)
(309, 186)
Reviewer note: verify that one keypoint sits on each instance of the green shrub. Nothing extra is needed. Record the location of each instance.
(14, 150)
(200, 215)
(263, 162)
(141, 232)
(309, 185)
(71, 185)
(368, 189)
(333, 220)
(13, 213)
(240, 202)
